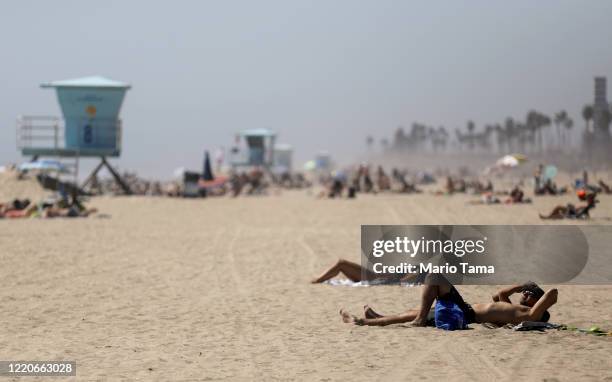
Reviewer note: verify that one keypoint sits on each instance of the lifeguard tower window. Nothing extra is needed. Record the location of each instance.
(256, 145)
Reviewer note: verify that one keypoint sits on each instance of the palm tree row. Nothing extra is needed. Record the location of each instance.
(512, 135)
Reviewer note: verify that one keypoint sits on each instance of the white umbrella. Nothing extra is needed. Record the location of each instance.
(512, 160)
(44, 165)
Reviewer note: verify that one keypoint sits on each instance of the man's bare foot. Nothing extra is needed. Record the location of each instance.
(368, 312)
(419, 322)
(349, 318)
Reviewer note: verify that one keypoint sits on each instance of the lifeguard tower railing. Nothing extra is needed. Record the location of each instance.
(46, 136)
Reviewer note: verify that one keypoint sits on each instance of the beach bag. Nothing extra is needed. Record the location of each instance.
(449, 316)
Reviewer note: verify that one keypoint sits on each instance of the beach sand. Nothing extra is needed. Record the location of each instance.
(218, 289)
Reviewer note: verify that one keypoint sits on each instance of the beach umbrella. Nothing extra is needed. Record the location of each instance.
(550, 172)
(207, 173)
(44, 165)
(512, 160)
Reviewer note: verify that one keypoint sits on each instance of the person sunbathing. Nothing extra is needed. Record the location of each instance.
(570, 211)
(70, 212)
(517, 196)
(13, 213)
(15, 205)
(533, 306)
(351, 270)
(486, 198)
(356, 273)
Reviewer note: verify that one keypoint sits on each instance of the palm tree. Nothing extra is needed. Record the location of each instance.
(568, 124)
(501, 137)
(471, 126)
(587, 114)
(442, 136)
(532, 125)
(559, 120)
(510, 132)
(399, 138)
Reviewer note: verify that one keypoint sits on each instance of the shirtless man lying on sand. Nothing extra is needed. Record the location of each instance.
(532, 306)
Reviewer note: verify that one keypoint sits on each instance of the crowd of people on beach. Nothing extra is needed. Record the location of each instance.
(343, 183)
(359, 180)
(350, 182)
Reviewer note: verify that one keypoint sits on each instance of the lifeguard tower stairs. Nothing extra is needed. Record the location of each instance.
(90, 127)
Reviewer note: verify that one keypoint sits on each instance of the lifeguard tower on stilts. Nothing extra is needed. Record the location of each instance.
(90, 127)
(254, 148)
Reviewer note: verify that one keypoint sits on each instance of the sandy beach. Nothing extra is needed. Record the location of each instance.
(218, 289)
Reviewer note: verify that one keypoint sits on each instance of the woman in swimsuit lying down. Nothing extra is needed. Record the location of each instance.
(356, 273)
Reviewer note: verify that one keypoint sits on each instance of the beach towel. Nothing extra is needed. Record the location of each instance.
(535, 325)
(543, 326)
(349, 283)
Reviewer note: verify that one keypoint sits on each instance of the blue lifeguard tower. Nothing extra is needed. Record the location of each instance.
(90, 126)
(283, 157)
(254, 147)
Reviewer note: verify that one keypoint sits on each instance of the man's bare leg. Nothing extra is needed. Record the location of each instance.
(434, 287)
(351, 270)
(381, 321)
(368, 312)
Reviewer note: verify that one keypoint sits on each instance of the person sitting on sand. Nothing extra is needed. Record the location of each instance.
(383, 180)
(368, 184)
(605, 187)
(570, 211)
(517, 196)
(450, 186)
(550, 188)
(533, 306)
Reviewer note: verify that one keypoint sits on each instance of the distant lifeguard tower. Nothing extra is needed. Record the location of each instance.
(254, 147)
(90, 126)
(283, 157)
(323, 161)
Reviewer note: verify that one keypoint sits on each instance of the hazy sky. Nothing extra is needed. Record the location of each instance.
(323, 74)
